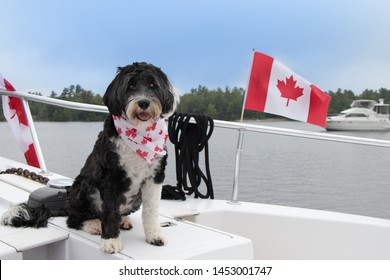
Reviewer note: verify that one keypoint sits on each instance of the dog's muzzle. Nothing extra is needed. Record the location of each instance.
(144, 104)
(143, 114)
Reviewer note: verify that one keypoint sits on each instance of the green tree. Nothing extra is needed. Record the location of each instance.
(340, 100)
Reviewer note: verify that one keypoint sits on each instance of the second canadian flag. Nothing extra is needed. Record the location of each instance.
(275, 89)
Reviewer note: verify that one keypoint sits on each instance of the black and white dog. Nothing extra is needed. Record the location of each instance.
(120, 173)
(127, 164)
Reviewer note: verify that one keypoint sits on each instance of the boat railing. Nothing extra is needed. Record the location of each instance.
(240, 127)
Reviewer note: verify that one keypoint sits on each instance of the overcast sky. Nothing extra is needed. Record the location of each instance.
(47, 45)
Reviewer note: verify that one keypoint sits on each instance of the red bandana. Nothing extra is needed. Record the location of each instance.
(147, 143)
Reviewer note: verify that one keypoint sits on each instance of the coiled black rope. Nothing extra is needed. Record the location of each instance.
(190, 134)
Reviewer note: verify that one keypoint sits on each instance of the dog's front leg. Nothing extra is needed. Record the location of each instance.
(111, 218)
(151, 196)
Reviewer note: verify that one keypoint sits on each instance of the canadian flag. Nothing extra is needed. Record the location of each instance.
(16, 116)
(275, 89)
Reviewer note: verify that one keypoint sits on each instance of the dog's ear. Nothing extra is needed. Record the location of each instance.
(169, 98)
(170, 101)
(111, 98)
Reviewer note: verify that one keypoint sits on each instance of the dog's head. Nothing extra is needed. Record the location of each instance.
(142, 92)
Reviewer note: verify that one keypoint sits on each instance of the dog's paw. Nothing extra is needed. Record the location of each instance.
(93, 227)
(111, 245)
(157, 240)
(126, 223)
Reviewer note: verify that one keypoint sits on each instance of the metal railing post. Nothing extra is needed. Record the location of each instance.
(240, 140)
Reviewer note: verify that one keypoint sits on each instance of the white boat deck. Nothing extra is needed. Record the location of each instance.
(285, 233)
(202, 229)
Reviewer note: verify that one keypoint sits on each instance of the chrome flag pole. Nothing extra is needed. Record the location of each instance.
(240, 142)
(34, 136)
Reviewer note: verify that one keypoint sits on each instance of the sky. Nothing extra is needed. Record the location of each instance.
(47, 45)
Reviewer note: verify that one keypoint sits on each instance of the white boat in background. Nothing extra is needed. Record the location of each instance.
(363, 115)
(202, 228)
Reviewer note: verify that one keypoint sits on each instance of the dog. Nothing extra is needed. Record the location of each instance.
(127, 164)
(116, 178)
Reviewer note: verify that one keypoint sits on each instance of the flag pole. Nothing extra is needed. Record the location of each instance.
(247, 85)
(34, 136)
(240, 141)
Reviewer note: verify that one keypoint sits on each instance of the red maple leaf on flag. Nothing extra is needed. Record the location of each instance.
(289, 89)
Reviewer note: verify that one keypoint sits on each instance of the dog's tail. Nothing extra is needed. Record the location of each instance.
(23, 215)
(42, 205)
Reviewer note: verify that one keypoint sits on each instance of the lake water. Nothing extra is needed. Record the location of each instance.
(275, 169)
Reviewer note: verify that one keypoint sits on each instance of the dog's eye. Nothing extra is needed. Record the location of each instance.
(131, 83)
(152, 85)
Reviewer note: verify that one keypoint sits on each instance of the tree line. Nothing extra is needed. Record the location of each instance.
(221, 104)
(226, 104)
(75, 93)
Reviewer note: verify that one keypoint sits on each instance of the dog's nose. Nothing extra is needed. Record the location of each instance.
(144, 104)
